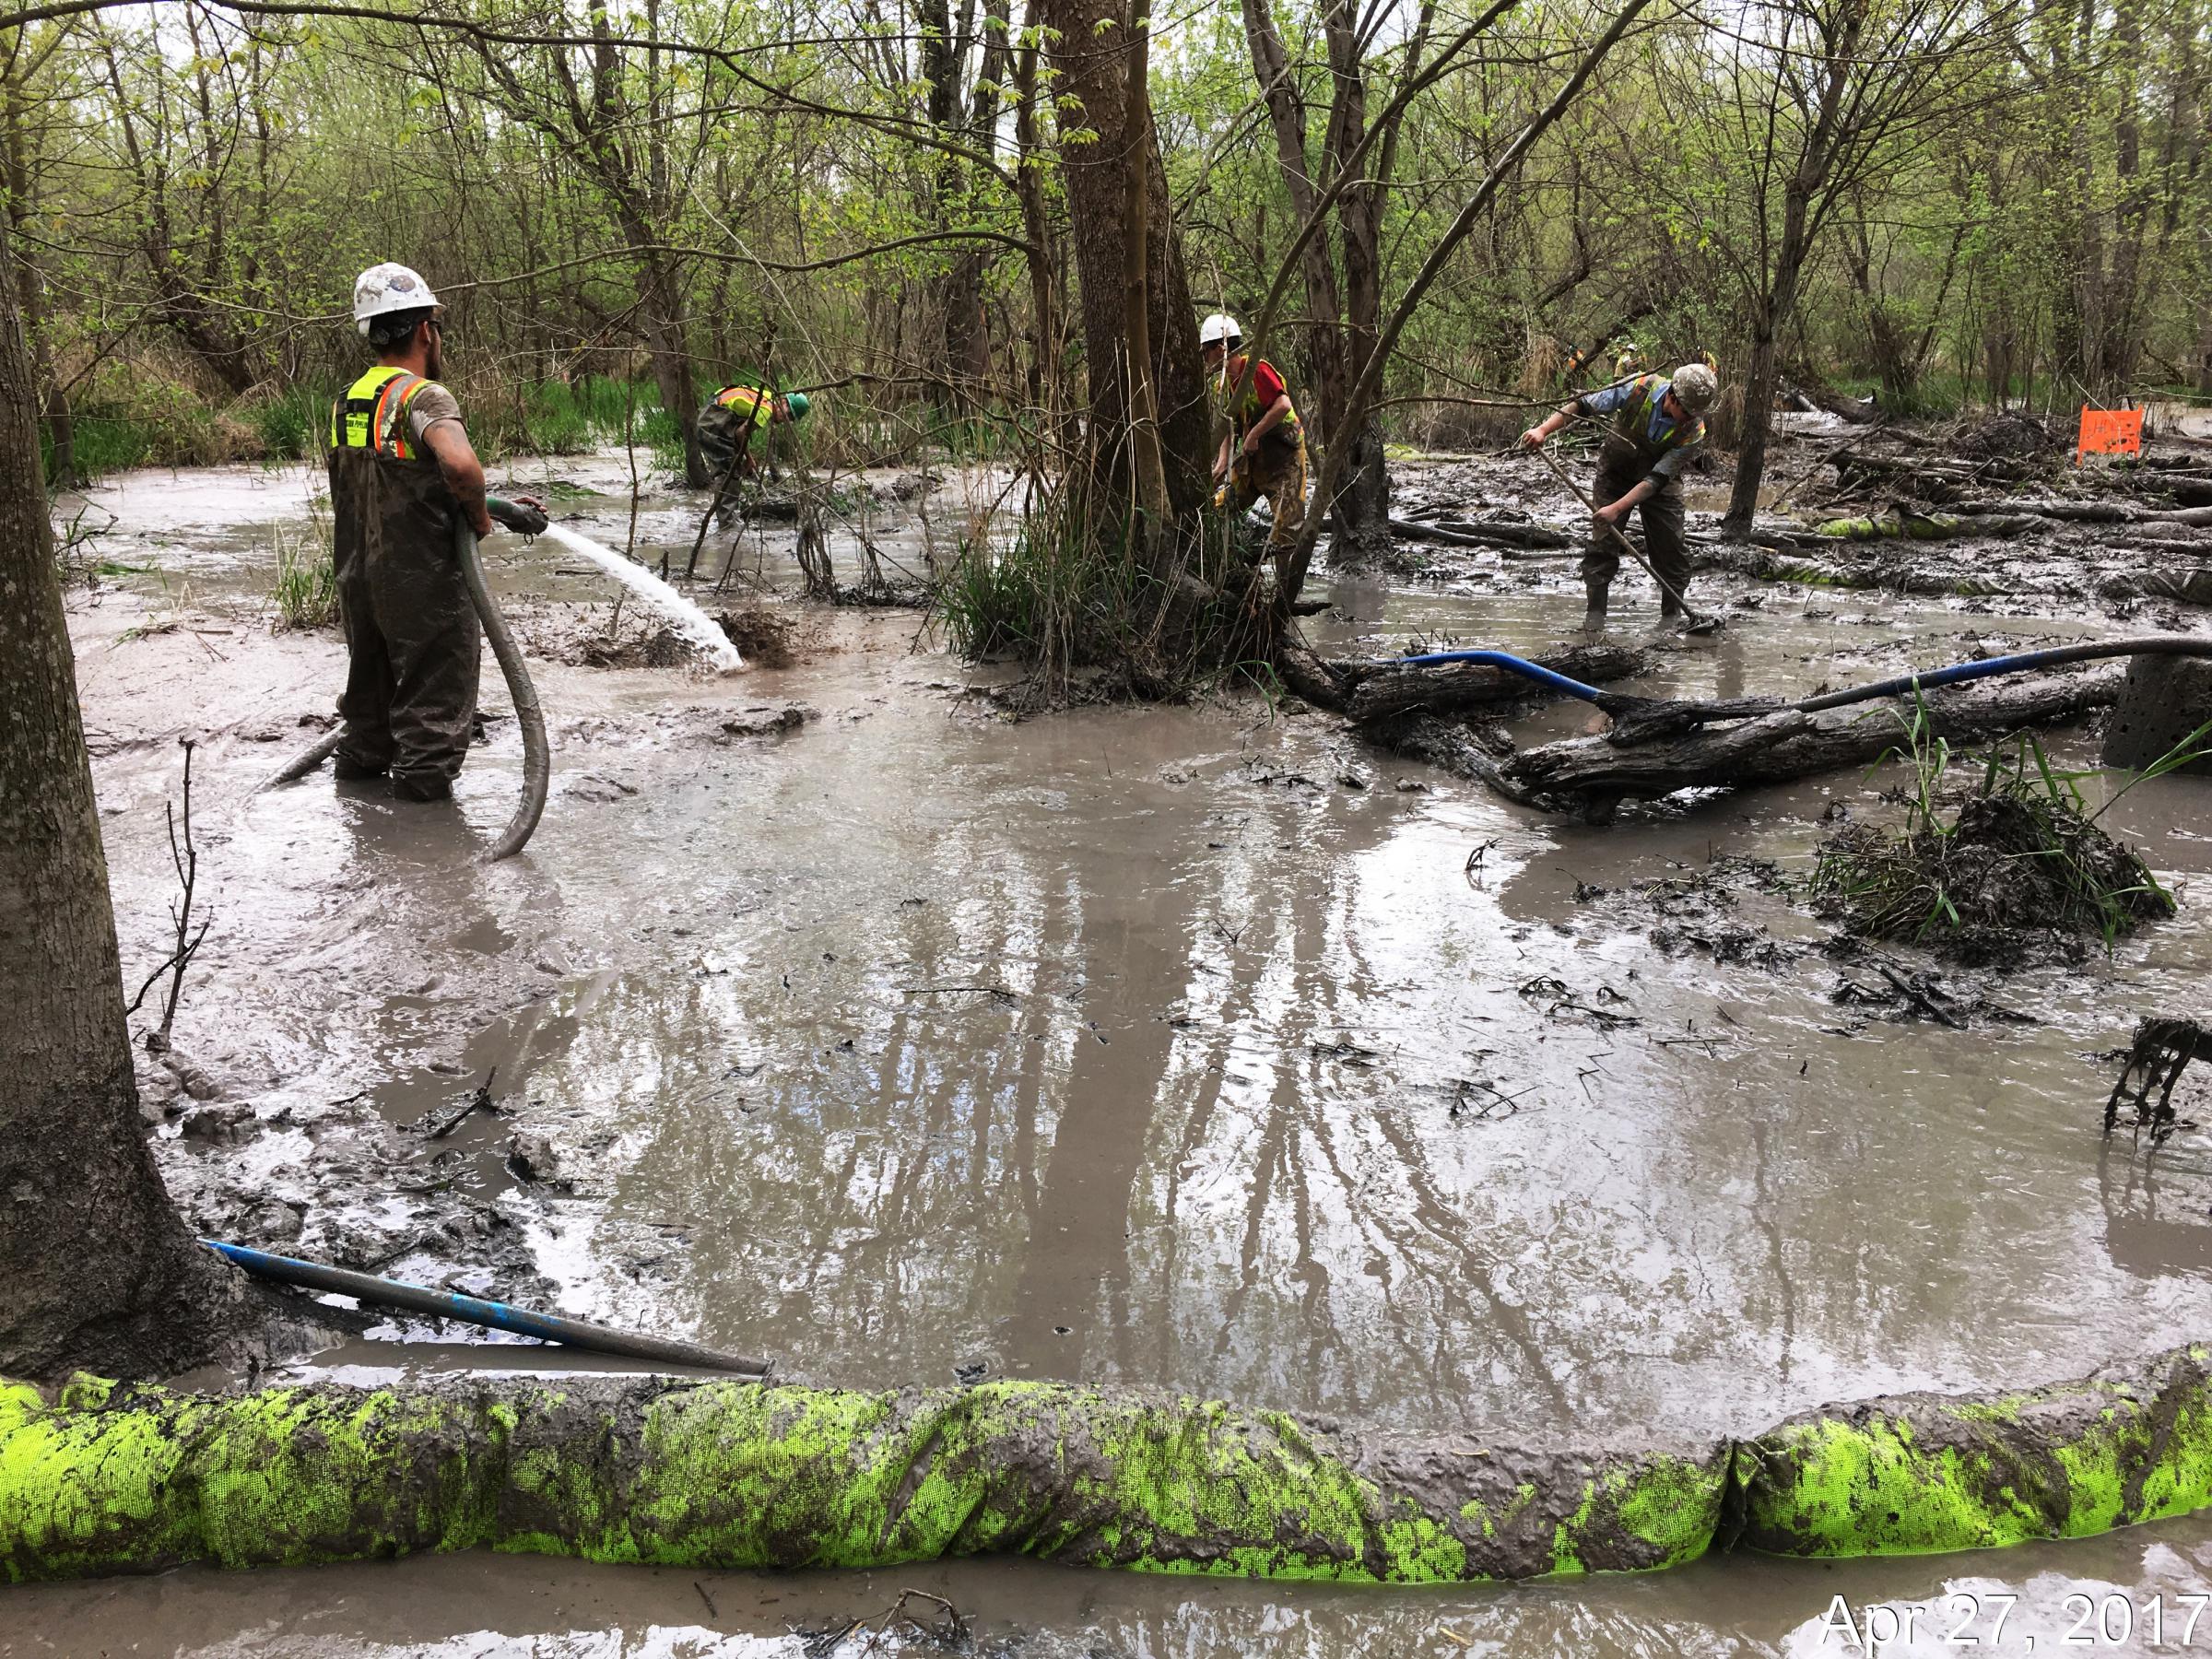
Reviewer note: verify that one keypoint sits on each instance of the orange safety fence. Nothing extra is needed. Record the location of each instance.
(2108, 432)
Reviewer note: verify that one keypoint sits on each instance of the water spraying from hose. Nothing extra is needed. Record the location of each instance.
(692, 622)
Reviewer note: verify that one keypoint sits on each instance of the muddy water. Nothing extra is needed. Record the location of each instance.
(1185, 1046)
(481, 1607)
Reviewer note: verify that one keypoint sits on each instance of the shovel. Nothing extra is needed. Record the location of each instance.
(1695, 623)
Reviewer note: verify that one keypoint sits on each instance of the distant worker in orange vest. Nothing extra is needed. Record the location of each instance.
(403, 478)
(1263, 453)
(730, 418)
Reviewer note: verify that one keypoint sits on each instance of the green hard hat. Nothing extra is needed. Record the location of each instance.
(799, 404)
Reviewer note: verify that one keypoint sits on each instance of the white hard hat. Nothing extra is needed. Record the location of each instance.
(1218, 329)
(1697, 386)
(388, 287)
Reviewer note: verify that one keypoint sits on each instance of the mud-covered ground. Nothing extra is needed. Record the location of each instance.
(832, 1016)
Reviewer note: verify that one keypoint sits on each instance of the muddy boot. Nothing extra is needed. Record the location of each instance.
(349, 771)
(1593, 618)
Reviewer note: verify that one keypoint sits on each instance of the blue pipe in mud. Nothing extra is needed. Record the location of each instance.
(1507, 661)
(472, 1310)
(1901, 686)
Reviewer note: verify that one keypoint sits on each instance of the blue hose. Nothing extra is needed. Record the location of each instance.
(1902, 686)
(1958, 673)
(1511, 664)
(475, 1311)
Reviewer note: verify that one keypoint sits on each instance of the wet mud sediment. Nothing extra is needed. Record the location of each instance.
(1202, 1048)
(112, 1478)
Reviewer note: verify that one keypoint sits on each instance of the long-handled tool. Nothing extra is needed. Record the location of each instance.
(1694, 622)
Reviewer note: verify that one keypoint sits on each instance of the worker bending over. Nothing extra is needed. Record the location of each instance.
(729, 418)
(1263, 453)
(1657, 421)
(403, 477)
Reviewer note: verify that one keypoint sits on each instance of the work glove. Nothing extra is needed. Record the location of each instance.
(525, 515)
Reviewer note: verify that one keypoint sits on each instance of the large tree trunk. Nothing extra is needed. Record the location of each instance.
(1046, 393)
(1092, 62)
(1363, 505)
(95, 1269)
(660, 315)
(31, 289)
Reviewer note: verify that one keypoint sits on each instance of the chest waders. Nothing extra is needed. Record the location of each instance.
(412, 594)
(1625, 459)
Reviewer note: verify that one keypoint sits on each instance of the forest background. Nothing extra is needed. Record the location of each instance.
(1948, 204)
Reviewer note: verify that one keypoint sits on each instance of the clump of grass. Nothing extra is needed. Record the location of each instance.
(991, 602)
(100, 444)
(292, 423)
(659, 432)
(2019, 869)
(1072, 588)
(306, 592)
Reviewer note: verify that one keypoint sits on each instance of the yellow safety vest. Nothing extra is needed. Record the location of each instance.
(372, 414)
(757, 402)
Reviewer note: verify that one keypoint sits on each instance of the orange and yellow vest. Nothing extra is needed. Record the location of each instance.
(372, 414)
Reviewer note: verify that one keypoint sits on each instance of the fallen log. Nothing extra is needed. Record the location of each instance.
(1388, 690)
(1915, 526)
(1591, 775)
(2190, 586)
(2091, 513)
(120, 1479)
(1475, 753)
(1928, 481)
(1481, 532)
(1851, 411)
(111, 1477)
(1308, 677)
(1758, 563)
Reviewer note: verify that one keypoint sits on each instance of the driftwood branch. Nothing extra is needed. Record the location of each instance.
(1591, 773)
(1484, 533)
(185, 856)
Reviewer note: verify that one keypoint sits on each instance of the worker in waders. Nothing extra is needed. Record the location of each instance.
(1657, 423)
(729, 419)
(1263, 455)
(403, 475)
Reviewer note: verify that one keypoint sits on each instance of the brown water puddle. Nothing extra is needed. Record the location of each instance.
(485, 1606)
(1178, 1046)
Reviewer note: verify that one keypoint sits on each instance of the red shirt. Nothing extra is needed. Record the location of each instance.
(1266, 386)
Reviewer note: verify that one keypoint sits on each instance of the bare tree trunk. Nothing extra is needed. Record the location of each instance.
(1287, 115)
(1045, 393)
(1093, 66)
(1136, 327)
(1362, 506)
(95, 1269)
(1346, 320)
(660, 314)
(31, 290)
(1773, 309)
